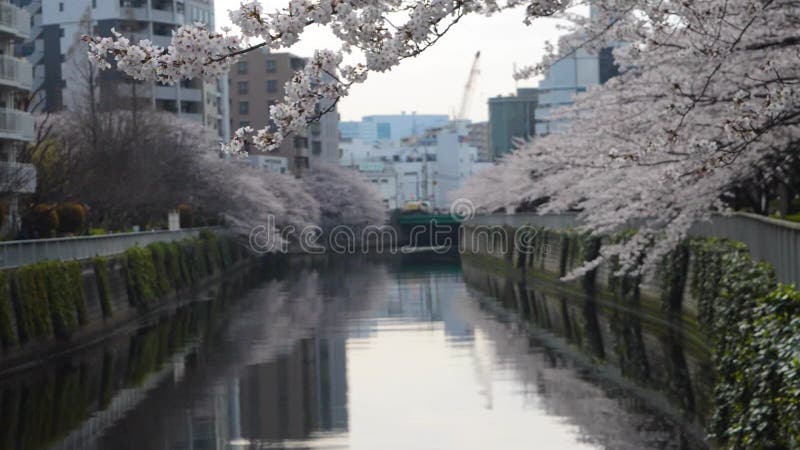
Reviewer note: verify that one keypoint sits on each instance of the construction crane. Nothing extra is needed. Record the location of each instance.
(469, 88)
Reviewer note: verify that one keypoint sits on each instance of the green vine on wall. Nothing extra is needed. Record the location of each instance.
(48, 299)
(102, 275)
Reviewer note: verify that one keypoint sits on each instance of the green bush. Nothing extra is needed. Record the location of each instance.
(62, 306)
(8, 336)
(41, 221)
(34, 305)
(674, 270)
(102, 277)
(140, 275)
(158, 252)
(77, 293)
(172, 263)
(71, 218)
(199, 262)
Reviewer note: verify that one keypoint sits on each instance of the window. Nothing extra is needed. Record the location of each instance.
(61, 32)
(94, 4)
(61, 6)
(316, 147)
(244, 107)
(244, 123)
(272, 66)
(300, 142)
(272, 86)
(242, 87)
(241, 67)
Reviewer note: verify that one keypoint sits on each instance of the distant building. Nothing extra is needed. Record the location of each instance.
(428, 168)
(16, 125)
(511, 117)
(256, 82)
(478, 137)
(566, 78)
(349, 130)
(394, 127)
(60, 64)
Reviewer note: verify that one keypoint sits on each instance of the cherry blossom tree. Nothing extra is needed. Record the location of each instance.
(707, 96)
(345, 198)
(707, 100)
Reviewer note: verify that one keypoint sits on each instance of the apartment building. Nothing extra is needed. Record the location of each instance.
(59, 60)
(16, 125)
(256, 82)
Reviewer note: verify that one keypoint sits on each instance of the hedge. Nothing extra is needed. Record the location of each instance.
(101, 275)
(48, 299)
(8, 335)
(752, 321)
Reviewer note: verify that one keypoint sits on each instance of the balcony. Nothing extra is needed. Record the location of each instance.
(15, 21)
(16, 125)
(16, 73)
(17, 177)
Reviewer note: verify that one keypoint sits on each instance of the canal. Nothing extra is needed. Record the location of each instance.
(370, 353)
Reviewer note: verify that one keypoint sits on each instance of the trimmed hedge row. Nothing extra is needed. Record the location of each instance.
(47, 299)
(163, 267)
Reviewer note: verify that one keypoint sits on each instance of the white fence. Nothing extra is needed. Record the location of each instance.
(771, 240)
(20, 253)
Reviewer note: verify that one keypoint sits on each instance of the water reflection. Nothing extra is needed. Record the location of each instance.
(359, 353)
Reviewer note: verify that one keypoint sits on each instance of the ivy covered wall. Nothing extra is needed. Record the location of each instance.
(751, 322)
(47, 301)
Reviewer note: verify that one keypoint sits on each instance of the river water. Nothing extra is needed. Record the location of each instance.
(366, 353)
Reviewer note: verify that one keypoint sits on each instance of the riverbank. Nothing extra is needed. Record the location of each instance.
(731, 306)
(54, 307)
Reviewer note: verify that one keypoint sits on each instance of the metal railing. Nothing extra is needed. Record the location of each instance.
(16, 72)
(20, 253)
(772, 240)
(15, 20)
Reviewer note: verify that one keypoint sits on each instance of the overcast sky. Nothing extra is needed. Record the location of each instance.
(433, 83)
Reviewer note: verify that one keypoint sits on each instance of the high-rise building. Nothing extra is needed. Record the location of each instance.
(61, 67)
(567, 77)
(511, 117)
(256, 82)
(16, 125)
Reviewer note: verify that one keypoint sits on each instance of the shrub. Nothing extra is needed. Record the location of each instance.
(77, 293)
(186, 216)
(158, 252)
(140, 275)
(71, 218)
(7, 334)
(32, 291)
(41, 221)
(101, 274)
(62, 307)
(199, 263)
(173, 264)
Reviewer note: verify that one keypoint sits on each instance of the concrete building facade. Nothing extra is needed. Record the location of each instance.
(60, 63)
(256, 82)
(566, 78)
(16, 125)
(511, 117)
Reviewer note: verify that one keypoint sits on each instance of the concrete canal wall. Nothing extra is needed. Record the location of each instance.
(51, 307)
(722, 295)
